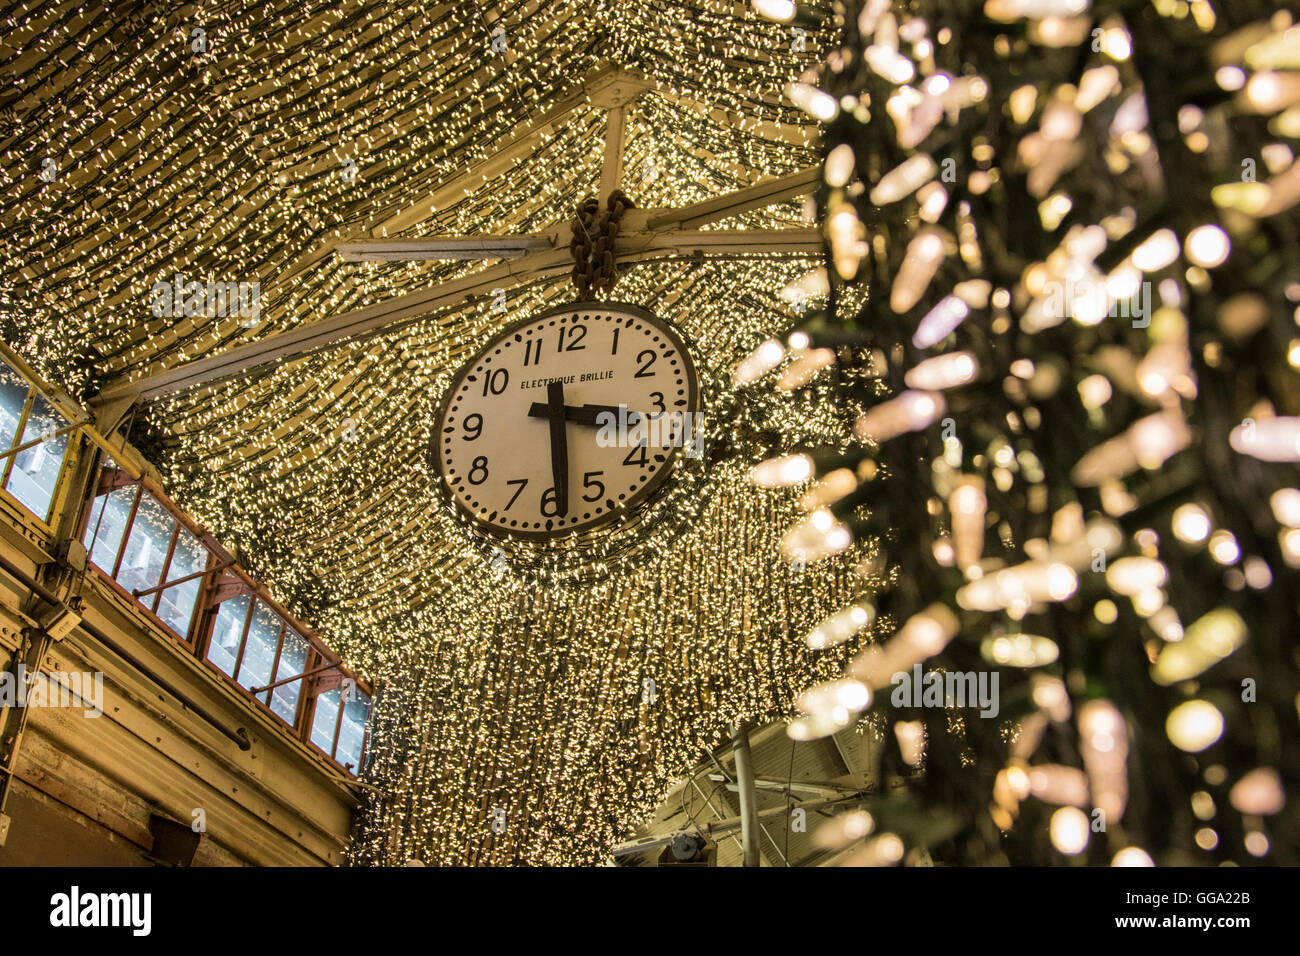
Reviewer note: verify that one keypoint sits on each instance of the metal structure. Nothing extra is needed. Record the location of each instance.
(745, 787)
(647, 234)
(794, 786)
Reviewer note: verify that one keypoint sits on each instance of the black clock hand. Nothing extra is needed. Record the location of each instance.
(585, 414)
(596, 415)
(559, 446)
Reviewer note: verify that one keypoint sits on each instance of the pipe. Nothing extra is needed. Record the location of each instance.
(38, 441)
(240, 736)
(289, 680)
(139, 593)
(746, 793)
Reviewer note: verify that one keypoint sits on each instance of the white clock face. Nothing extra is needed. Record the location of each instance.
(567, 421)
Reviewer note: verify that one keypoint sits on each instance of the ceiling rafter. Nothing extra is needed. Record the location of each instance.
(658, 233)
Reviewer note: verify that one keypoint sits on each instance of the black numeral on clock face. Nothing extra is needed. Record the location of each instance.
(496, 382)
(633, 458)
(532, 355)
(550, 506)
(478, 467)
(522, 483)
(597, 488)
(647, 358)
(576, 334)
(473, 425)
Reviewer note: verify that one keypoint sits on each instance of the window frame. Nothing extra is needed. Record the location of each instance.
(29, 402)
(223, 580)
(155, 595)
(218, 566)
(310, 721)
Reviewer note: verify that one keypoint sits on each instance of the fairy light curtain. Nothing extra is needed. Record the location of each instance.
(525, 715)
(1077, 367)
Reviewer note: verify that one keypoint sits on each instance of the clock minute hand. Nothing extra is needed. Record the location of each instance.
(594, 415)
(585, 414)
(559, 445)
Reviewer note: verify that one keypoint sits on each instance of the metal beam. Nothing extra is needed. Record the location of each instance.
(13, 719)
(110, 415)
(821, 803)
(709, 803)
(758, 196)
(849, 745)
(607, 87)
(139, 593)
(727, 825)
(402, 310)
(612, 169)
(781, 786)
(390, 314)
(442, 248)
(805, 136)
(746, 793)
(44, 437)
(749, 242)
(685, 241)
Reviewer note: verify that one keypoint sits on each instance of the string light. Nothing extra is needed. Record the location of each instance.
(1026, 218)
(515, 678)
(509, 676)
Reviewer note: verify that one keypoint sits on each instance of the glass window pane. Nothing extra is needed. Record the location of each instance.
(108, 517)
(36, 470)
(176, 603)
(322, 726)
(226, 632)
(146, 546)
(293, 661)
(352, 732)
(259, 654)
(13, 394)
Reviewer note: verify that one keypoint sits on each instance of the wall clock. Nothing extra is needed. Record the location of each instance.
(567, 421)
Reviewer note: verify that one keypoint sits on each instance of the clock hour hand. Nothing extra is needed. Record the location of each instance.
(554, 413)
(585, 414)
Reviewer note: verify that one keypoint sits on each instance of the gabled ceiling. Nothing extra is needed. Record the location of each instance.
(232, 164)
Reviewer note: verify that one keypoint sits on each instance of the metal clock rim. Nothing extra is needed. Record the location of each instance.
(612, 518)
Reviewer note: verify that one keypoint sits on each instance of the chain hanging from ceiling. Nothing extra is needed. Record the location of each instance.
(594, 234)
